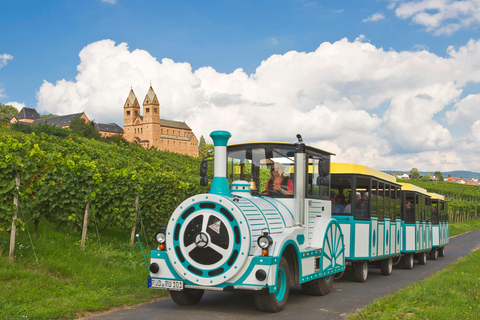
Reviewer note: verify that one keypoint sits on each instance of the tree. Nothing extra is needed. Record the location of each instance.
(427, 177)
(86, 130)
(449, 175)
(7, 110)
(414, 174)
(202, 148)
(439, 175)
(48, 116)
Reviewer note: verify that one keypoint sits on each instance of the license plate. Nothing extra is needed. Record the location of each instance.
(167, 284)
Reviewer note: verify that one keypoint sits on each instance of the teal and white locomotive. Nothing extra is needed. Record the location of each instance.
(264, 226)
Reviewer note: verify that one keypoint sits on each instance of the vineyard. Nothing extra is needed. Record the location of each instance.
(69, 180)
(463, 200)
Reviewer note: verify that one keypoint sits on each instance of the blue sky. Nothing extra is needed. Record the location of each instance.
(389, 84)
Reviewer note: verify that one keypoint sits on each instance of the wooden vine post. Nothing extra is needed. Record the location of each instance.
(14, 226)
(85, 222)
(132, 237)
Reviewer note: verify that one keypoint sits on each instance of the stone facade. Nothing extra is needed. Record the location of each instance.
(149, 130)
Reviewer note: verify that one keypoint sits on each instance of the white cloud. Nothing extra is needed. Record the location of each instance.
(4, 59)
(110, 1)
(465, 112)
(442, 17)
(335, 96)
(374, 17)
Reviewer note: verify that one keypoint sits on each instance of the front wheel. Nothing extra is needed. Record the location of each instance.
(360, 271)
(318, 287)
(408, 261)
(276, 301)
(187, 296)
(422, 258)
(441, 252)
(386, 267)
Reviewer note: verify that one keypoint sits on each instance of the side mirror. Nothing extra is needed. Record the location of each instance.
(324, 167)
(203, 173)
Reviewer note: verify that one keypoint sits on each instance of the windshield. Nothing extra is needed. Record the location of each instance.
(268, 169)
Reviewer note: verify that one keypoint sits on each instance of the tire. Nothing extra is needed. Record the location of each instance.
(422, 258)
(441, 251)
(276, 301)
(360, 271)
(386, 267)
(187, 296)
(408, 261)
(433, 254)
(318, 287)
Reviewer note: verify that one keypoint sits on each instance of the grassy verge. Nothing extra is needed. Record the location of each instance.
(462, 227)
(453, 293)
(68, 281)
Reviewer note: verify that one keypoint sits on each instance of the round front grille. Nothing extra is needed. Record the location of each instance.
(209, 240)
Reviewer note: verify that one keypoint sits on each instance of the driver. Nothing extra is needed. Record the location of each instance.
(278, 182)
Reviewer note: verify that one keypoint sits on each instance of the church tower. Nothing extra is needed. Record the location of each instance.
(131, 110)
(151, 117)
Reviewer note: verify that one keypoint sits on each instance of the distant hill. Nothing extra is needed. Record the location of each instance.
(455, 174)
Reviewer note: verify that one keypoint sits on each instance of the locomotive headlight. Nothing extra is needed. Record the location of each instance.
(264, 241)
(160, 237)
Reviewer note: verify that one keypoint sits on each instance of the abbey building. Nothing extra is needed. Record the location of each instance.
(149, 130)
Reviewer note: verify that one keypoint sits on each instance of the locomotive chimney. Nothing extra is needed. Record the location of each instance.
(220, 183)
(300, 174)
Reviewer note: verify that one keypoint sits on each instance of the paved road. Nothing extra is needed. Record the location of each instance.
(345, 298)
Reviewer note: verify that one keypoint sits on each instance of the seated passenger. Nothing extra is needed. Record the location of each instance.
(278, 183)
(358, 201)
(337, 206)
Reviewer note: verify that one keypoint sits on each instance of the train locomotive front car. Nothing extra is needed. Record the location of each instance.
(250, 233)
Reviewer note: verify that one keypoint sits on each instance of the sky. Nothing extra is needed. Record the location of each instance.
(389, 84)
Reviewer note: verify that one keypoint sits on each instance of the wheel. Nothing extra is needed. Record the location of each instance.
(386, 267)
(422, 258)
(433, 254)
(360, 271)
(441, 251)
(408, 261)
(276, 301)
(318, 287)
(339, 275)
(187, 296)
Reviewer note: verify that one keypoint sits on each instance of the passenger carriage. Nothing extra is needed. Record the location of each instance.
(243, 236)
(440, 236)
(416, 224)
(368, 211)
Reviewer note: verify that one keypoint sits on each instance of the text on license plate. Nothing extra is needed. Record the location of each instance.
(167, 284)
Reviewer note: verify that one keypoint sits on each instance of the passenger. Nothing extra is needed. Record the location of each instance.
(362, 209)
(278, 182)
(358, 201)
(337, 206)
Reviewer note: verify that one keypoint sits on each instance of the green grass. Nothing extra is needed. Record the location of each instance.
(462, 227)
(68, 281)
(453, 293)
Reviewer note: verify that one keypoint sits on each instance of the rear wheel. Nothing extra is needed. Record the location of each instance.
(386, 267)
(408, 261)
(360, 271)
(276, 301)
(441, 252)
(187, 296)
(422, 258)
(318, 287)
(434, 254)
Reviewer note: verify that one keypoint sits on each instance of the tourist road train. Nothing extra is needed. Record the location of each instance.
(281, 214)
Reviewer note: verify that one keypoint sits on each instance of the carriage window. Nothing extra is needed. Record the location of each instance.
(398, 204)
(434, 212)
(428, 210)
(339, 195)
(408, 207)
(381, 201)
(362, 199)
